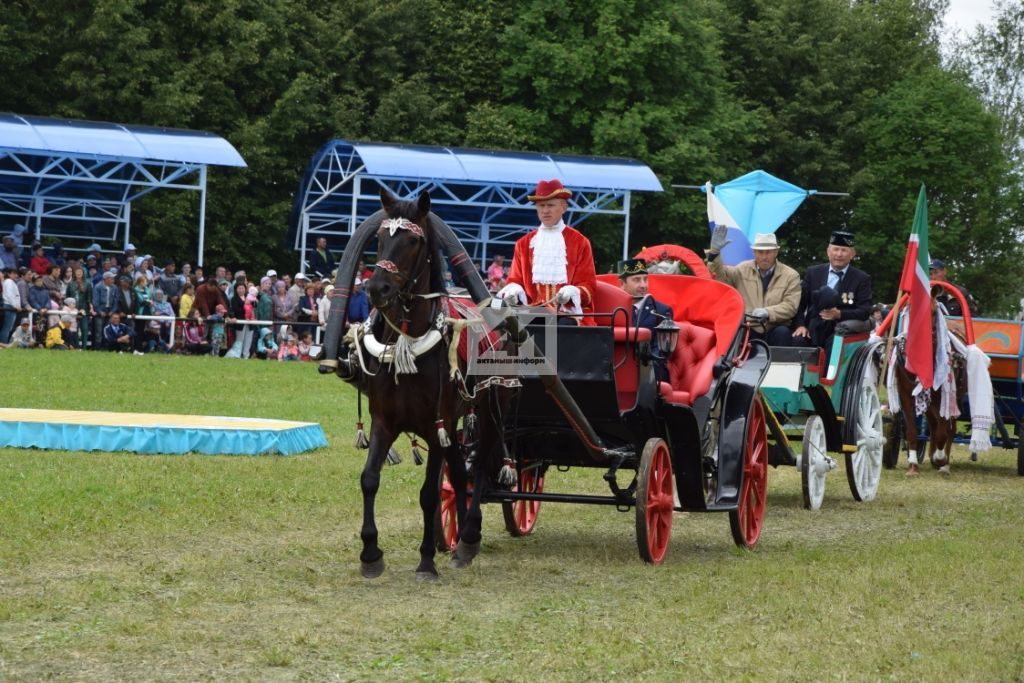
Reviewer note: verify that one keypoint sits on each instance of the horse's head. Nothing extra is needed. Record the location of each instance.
(405, 251)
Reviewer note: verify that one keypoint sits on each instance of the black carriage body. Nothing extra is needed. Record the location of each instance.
(540, 430)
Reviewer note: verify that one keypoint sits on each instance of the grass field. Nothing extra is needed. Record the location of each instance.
(128, 567)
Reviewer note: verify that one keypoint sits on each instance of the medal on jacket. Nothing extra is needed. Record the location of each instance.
(846, 298)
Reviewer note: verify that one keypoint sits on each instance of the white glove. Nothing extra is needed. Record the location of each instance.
(568, 293)
(510, 291)
(719, 239)
(760, 314)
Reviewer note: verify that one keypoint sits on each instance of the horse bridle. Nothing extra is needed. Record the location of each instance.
(393, 225)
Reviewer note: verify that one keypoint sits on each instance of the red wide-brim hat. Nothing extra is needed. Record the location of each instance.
(549, 189)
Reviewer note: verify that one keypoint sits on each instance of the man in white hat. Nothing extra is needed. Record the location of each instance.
(770, 289)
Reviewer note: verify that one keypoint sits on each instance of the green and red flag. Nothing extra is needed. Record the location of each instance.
(914, 281)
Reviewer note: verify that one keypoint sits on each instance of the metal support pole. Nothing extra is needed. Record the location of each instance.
(202, 215)
(127, 217)
(39, 218)
(625, 234)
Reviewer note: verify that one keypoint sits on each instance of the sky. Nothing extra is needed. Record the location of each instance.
(965, 15)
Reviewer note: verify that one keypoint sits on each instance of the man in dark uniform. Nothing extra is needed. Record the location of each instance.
(832, 293)
(646, 311)
(937, 271)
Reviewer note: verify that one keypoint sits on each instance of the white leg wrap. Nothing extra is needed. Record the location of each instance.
(912, 457)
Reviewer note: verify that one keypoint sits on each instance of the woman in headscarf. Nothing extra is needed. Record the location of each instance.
(161, 306)
(284, 305)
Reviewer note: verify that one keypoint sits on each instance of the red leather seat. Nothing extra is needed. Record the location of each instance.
(709, 314)
(607, 299)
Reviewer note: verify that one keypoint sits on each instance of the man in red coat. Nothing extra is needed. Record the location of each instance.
(554, 264)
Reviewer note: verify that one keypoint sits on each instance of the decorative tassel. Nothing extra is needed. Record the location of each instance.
(442, 435)
(469, 426)
(393, 457)
(361, 440)
(416, 452)
(508, 476)
(404, 357)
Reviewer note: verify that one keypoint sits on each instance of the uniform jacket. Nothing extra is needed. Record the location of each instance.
(650, 315)
(579, 271)
(783, 295)
(852, 298)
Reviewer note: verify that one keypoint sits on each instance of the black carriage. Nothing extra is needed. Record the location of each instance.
(696, 442)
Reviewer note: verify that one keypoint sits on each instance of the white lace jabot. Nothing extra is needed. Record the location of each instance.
(549, 260)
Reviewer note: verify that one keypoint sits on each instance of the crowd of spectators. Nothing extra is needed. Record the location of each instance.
(127, 302)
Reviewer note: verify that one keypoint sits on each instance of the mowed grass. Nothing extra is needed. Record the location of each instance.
(132, 567)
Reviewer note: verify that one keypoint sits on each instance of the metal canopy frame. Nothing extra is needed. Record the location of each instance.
(480, 194)
(78, 179)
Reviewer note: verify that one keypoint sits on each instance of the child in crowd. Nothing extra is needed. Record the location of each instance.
(307, 341)
(266, 347)
(69, 314)
(55, 336)
(188, 297)
(195, 334)
(153, 339)
(218, 331)
(290, 350)
(22, 337)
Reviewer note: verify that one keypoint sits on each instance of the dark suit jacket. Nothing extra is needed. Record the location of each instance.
(651, 313)
(320, 265)
(853, 299)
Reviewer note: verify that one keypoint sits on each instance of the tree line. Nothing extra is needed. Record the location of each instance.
(849, 96)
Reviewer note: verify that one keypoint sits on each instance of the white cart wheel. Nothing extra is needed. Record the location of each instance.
(814, 463)
(864, 465)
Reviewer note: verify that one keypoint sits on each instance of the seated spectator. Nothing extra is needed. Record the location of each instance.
(266, 347)
(69, 316)
(161, 306)
(646, 311)
(22, 337)
(290, 350)
(117, 336)
(304, 345)
(194, 334)
(55, 337)
(152, 339)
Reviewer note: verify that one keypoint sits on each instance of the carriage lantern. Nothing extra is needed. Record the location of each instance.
(667, 335)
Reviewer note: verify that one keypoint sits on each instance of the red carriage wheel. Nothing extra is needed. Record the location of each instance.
(745, 521)
(521, 515)
(446, 519)
(654, 501)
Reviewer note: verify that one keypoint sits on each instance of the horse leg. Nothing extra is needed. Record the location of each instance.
(372, 557)
(470, 534)
(430, 498)
(906, 399)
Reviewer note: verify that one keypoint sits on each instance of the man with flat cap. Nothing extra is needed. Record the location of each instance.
(554, 264)
(833, 293)
(770, 289)
(647, 312)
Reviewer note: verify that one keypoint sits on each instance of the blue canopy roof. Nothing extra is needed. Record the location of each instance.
(481, 194)
(77, 179)
(40, 135)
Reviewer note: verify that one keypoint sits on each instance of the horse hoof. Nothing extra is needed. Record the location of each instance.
(938, 463)
(427, 576)
(913, 471)
(944, 470)
(371, 570)
(464, 554)
(974, 457)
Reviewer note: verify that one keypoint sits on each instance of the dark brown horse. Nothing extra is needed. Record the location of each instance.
(409, 385)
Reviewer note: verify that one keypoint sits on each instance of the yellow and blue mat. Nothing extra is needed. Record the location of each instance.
(88, 430)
